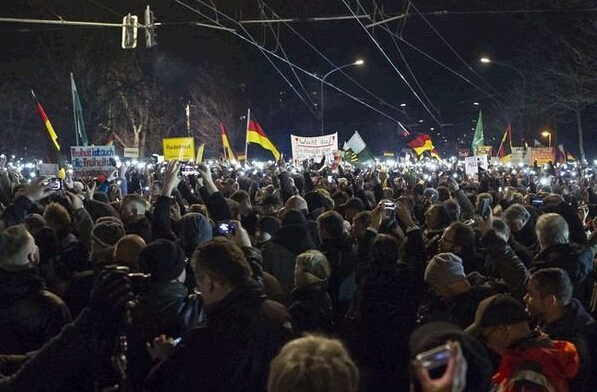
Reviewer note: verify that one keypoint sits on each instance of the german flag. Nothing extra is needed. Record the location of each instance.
(421, 143)
(255, 134)
(55, 146)
(505, 150)
(435, 154)
(228, 153)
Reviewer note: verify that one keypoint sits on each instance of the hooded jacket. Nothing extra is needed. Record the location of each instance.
(29, 314)
(280, 253)
(312, 308)
(535, 364)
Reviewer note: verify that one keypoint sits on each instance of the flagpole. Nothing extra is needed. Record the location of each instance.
(247, 134)
(72, 85)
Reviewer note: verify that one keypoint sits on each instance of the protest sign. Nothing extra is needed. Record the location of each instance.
(520, 155)
(304, 148)
(131, 152)
(542, 155)
(92, 161)
(471, 166)
(179, 148)
(48, 169)
(484, 150)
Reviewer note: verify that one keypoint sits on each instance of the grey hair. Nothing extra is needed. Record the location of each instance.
(552, 229)
(516, 211)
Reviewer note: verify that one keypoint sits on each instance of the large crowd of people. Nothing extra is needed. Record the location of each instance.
(305, 277)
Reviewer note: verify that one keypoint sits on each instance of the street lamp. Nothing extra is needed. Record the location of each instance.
(548, 136)
(358, 62)
(487, 60)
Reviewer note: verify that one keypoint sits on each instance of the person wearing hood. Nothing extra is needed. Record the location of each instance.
(242, 331)
(311, 305)
(296, 202)
(549, 299)
(530, 360)
(336, 245)
(195, 229)
(279, 254)
(384, 311)
(29, 314)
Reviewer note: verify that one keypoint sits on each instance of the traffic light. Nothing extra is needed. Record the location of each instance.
(129, 31)
(150, 35)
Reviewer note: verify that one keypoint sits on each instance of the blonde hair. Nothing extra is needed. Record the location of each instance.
(311, 267)
(314, 364)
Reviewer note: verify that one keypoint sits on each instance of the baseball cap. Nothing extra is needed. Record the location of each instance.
(499, 309)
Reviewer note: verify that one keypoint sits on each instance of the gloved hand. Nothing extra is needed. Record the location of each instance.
(110, 300)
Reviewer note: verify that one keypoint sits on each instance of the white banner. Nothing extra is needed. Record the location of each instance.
(519, 156)
(304, 148)
(471, 166)
(131, 152)
(90, 162)
(48, 169)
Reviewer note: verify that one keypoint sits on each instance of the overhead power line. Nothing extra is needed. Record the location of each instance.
(254, 43)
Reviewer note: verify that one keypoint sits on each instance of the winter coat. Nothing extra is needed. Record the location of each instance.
(575, 259)
(279, 254)
(459, 310)
(342, 259)
(29, 314)
(231, 350)
(579, 328)
(312, 309)
(503, 263)
(165, 309)
(536, 364)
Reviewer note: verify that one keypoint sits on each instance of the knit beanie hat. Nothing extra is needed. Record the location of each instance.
(444, 269)
(163, 259)
(107, 232)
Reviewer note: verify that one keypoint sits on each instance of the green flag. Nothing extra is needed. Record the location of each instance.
(357, 146)
(78, 115)
(478, 137)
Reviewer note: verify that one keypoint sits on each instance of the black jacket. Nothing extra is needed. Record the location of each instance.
(578, 327)
(165, 309)
(29, 314)
(342, 259)
(503, 263)
(280, 253)
(576, 260)
(459, 310)
(231, 350)
(312, 309)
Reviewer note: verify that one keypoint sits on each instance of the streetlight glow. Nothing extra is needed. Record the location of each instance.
(485, 60)
(359, 62)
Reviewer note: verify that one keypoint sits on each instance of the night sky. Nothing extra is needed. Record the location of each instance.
(473, 29)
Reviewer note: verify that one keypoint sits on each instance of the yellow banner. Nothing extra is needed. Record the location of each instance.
(179, 148)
